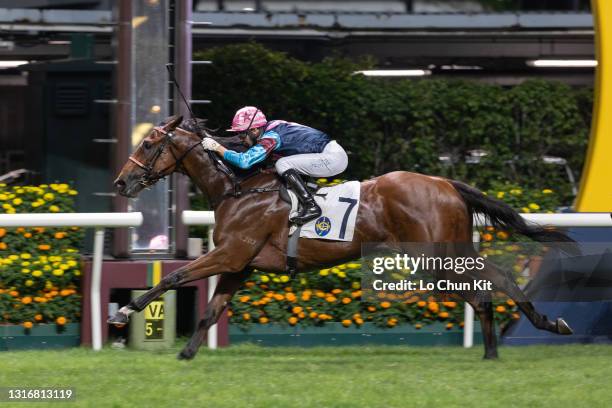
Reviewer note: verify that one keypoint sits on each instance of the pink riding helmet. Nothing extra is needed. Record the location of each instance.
(244, 116)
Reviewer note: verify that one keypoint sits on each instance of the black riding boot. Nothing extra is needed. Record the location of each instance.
(310, 210)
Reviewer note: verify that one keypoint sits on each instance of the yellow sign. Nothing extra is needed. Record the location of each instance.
(595, 191)
(155, 310)
(154, 321)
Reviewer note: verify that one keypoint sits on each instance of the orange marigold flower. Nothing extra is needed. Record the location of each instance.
(249, 284)
(27, 325)
(28, 235)
(449, 326)
(66, 292)
(443, 315)
(422, 303)
(500, 309)
(3, 245)
(346, 323)
(26, 300)
(244, 299)
(291, 297)
(346, 300)
(356, 294)
(263, 320)
(313, 315)
(278, 296)
(359, 321)
(2, 232)
(487, 237)
(510, 302)
(293, 320)
(502, 235)
(297, 310)
(516, 316)
(246, 316)
(371, 308)
(44, 247)
(418, 326)
(336, 291)
(38, 317)
(59, 235)
(301, 315)
(61, 320)
(385, 305)
(433, 307)
(331, 299)
(230, 313)
(450, 305)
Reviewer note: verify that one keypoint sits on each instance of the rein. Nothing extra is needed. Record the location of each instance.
(151, 177)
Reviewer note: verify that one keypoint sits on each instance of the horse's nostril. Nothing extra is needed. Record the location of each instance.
(120, 184)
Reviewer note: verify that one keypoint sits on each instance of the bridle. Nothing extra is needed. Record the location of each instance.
(151, 176)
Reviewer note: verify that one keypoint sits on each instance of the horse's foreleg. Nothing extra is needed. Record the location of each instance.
(213, 263)
(228, 284)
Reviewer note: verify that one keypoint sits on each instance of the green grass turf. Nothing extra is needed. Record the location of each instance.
(251, 376)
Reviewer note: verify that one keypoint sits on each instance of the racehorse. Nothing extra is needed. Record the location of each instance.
(252, 225)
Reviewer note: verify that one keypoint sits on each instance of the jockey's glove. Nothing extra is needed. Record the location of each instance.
(210, 144)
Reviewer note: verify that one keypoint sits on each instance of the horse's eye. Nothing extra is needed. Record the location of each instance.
(146, 145)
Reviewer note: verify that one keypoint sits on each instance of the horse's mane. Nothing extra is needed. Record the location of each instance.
(198, 126)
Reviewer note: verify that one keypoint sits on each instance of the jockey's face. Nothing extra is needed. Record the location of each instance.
(249, 138)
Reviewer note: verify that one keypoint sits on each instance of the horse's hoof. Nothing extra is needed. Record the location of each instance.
(119, 320)
(563, 327)
(185, 355)
(490, 356)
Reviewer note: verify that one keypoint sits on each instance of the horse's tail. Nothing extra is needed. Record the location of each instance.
(501, 216)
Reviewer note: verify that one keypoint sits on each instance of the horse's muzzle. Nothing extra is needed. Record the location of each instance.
(122, 188)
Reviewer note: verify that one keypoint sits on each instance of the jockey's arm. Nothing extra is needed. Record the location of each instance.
(269, 142)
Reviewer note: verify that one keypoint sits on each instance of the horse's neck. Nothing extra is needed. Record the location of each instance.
(215, 184)
(202, 171)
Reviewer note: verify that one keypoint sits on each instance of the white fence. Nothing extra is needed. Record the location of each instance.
(99, 221)
(206, 218)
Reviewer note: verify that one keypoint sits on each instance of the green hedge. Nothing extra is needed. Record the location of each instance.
(407, 124)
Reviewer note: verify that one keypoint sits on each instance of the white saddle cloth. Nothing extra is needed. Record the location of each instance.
(339, 205)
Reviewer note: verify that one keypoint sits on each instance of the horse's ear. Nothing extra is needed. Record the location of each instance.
(173, 122)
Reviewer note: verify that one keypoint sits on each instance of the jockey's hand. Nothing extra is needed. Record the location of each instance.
(210, 144)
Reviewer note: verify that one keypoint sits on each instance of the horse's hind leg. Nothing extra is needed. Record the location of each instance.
(507, 285)
(228, 284)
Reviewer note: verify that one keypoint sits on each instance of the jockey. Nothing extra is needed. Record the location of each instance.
(302, 150)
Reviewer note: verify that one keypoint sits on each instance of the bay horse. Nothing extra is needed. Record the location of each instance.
(252, 227)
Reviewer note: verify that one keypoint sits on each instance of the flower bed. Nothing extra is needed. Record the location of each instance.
(40, 268)
(334, 295)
